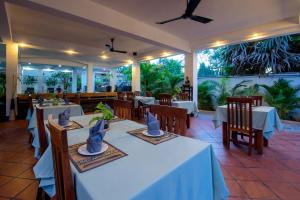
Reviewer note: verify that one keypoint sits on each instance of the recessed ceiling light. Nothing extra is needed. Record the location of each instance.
(104, 57)
(255, 36)
(129, 61)
(165, 54)
(148, 58)
(23, 45)
(71, 52)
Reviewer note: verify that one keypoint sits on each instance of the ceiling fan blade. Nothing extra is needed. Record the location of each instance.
(203, 20)
(169, 20)
(118, 51)
(192, 5)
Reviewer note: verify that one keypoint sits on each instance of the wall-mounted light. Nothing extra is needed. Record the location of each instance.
(59, 65)
(148, 57)
(255, 36)
(129, 61)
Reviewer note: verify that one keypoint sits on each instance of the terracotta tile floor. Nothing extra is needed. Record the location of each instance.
(274, 175)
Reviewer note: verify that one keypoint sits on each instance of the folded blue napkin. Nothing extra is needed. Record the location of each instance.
(152, 124)
(66, 100)
(63, 118)
(40, 101)
(97, 133)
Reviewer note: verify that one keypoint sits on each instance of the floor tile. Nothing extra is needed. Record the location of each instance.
(284, 191)
(257, 190)
(15, 186)
(13, 169)
(241, 173)
(28, 174)
(235, 189)
(4, 179)
(29, 193)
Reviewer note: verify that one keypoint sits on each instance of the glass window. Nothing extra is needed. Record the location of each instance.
(43, 78)
(2, 81)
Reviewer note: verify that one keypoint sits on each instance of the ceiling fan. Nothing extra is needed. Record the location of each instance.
(188, 14)
(111, 47)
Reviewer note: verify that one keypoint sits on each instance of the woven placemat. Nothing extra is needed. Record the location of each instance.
(74, 125)
(153, 140)
(116, 120)
(85, 163)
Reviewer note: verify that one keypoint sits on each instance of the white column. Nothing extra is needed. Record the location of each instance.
(90, 77)
(136, 76)
(11, 73)
(113, 80)
(74, 81)
(190, 70)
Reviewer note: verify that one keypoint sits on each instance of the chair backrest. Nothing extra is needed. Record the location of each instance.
(165, 99)
(148, 94)
(129, 96)
(137, 93)
(41, 129)
(61, 163)
(171, 119)
(239, 114)
(121, 95)
(184, 96)
(257, 100)
(123, 109)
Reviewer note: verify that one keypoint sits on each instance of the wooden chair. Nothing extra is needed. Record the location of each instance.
(120, 95)
(184, 96)
(137, 93)
(30, 109)
(61, 163)
(123, 109)
(171, 119)
(148, 94)
(239, 122)
(257, 100)
(165, 99)
(142, 109)
(41, 130)
(129, 96)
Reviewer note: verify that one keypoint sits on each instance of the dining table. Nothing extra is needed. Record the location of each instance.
(144, 100)
(264, 118)
(176, 169)
(49, 108)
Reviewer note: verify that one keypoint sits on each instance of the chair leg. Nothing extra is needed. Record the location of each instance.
(228, 138)
(250, 146)
(260, 142)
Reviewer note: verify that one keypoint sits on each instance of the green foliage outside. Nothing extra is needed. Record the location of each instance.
(2, 85)
(51, 81)
(64, 78)
(29, 80)
(280, 95)
(164, 77)
(283, 97)
(106, 113)
(274, 55)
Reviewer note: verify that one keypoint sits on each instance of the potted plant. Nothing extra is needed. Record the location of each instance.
(106, 115)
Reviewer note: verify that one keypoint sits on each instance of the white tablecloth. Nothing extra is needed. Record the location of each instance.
(76, 110)
(178, 169)
(144, 100)
(189, 105)
(264, 118)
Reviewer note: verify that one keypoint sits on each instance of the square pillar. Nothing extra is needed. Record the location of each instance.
(74, 81)
(136, 76)
(12, 62)
(90, 78)
(190, 70)
(113, 79)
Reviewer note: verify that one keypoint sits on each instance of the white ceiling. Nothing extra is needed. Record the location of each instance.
(132, 24)
(50, 35)
(228, 15)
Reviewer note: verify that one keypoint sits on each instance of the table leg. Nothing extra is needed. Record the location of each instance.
(188, 121)
(224, 133)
